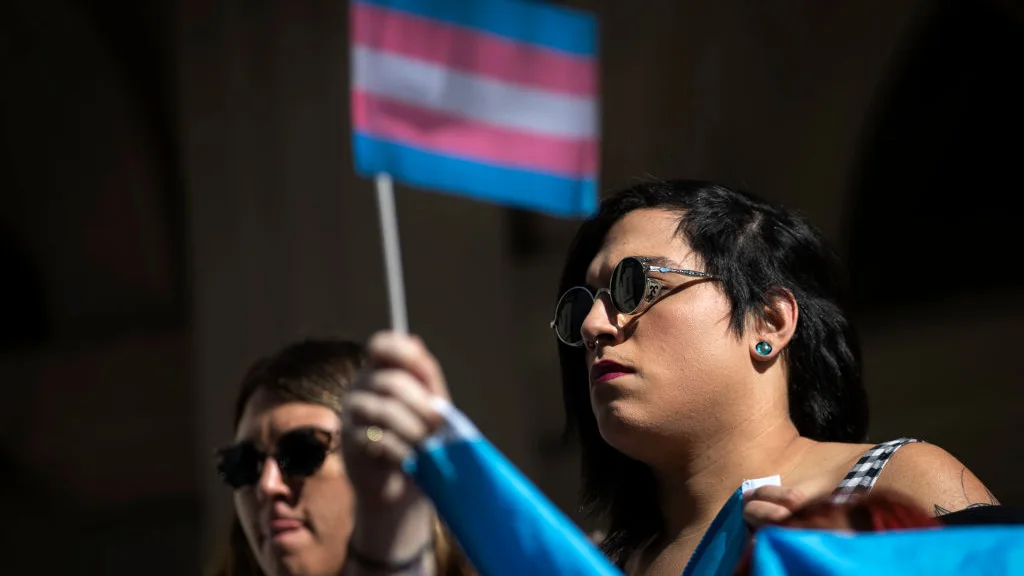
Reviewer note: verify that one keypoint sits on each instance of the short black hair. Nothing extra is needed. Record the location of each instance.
(757, 250)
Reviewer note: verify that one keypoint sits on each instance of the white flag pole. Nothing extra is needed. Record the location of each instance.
(392, 253)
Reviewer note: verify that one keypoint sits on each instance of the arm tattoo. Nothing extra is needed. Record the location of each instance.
(940, 511)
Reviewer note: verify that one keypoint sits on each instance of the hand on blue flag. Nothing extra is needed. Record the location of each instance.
(502, 521)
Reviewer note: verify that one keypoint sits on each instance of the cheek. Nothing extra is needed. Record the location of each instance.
(328, 499)
(690, 348)
(245, 504)
(247, 510)
(685, 334)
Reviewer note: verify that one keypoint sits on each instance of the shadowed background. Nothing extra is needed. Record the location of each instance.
(178, 198)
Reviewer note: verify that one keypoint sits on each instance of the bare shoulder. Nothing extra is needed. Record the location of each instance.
(934, 479)
(825, 464)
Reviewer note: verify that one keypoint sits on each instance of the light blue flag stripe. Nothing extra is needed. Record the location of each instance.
(720, 549)
(502, 521)
(542, 24)
(944, 551)
(555, 195)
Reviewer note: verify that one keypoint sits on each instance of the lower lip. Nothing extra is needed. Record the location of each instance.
(282, 531)
(609, 376)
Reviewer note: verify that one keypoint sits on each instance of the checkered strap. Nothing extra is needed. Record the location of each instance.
(861, 478)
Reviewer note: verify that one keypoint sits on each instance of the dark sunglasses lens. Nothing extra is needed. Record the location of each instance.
(300, 453)
(629, 282)
(240, 465)
(572, 309)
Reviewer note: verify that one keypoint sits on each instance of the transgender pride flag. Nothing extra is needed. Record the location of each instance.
(493, 99)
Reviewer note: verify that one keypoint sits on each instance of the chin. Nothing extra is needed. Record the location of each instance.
(622, 427)
(287, 565)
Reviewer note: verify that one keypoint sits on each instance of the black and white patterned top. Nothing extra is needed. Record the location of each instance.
(861, 478)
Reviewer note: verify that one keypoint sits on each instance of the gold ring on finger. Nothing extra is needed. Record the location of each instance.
(374, 433)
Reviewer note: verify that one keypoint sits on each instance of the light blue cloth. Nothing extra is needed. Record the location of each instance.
(723, 544)
(503, 523)
(508, 528)
(944, 551)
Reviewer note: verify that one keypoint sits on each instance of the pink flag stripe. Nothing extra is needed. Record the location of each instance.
(472, 140)
(474, 52)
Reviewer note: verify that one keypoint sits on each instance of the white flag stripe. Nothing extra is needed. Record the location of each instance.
(473, 97)
(457, 427)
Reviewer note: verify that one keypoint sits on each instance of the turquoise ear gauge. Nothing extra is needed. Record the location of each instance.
(763, 348)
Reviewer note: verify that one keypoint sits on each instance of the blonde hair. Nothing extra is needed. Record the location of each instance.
(235, 558)
(316, 371)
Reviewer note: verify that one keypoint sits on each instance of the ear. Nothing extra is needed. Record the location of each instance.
(775, 328)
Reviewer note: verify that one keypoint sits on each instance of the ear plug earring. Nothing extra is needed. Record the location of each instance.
(763, 348)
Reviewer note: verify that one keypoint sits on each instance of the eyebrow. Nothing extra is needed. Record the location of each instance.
(659, 261)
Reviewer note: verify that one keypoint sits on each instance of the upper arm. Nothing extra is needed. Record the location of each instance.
(934, 479)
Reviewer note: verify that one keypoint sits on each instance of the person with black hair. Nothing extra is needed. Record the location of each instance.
(703, 342)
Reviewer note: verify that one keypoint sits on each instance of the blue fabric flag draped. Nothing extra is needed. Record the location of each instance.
(721, 547)
(944, 551)
(507, 527)
(503, 523)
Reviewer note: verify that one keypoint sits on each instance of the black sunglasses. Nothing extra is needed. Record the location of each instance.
(299, 453)
(629, 289)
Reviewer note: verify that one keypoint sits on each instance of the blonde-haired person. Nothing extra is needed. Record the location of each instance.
(295, 498)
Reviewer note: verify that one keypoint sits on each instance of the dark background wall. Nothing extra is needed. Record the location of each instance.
(178, 197)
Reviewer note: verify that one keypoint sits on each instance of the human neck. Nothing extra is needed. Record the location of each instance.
(693, 488)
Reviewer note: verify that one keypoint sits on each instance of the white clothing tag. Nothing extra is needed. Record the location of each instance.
(756, 483)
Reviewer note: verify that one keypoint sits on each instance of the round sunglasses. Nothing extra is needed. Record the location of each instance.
(630, 288)
(299, 453)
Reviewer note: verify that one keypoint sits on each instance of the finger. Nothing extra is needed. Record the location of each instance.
(378, 445)
(396, 350)
(369, 409)
(760, 513)
(791, 498)
(403, 387)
